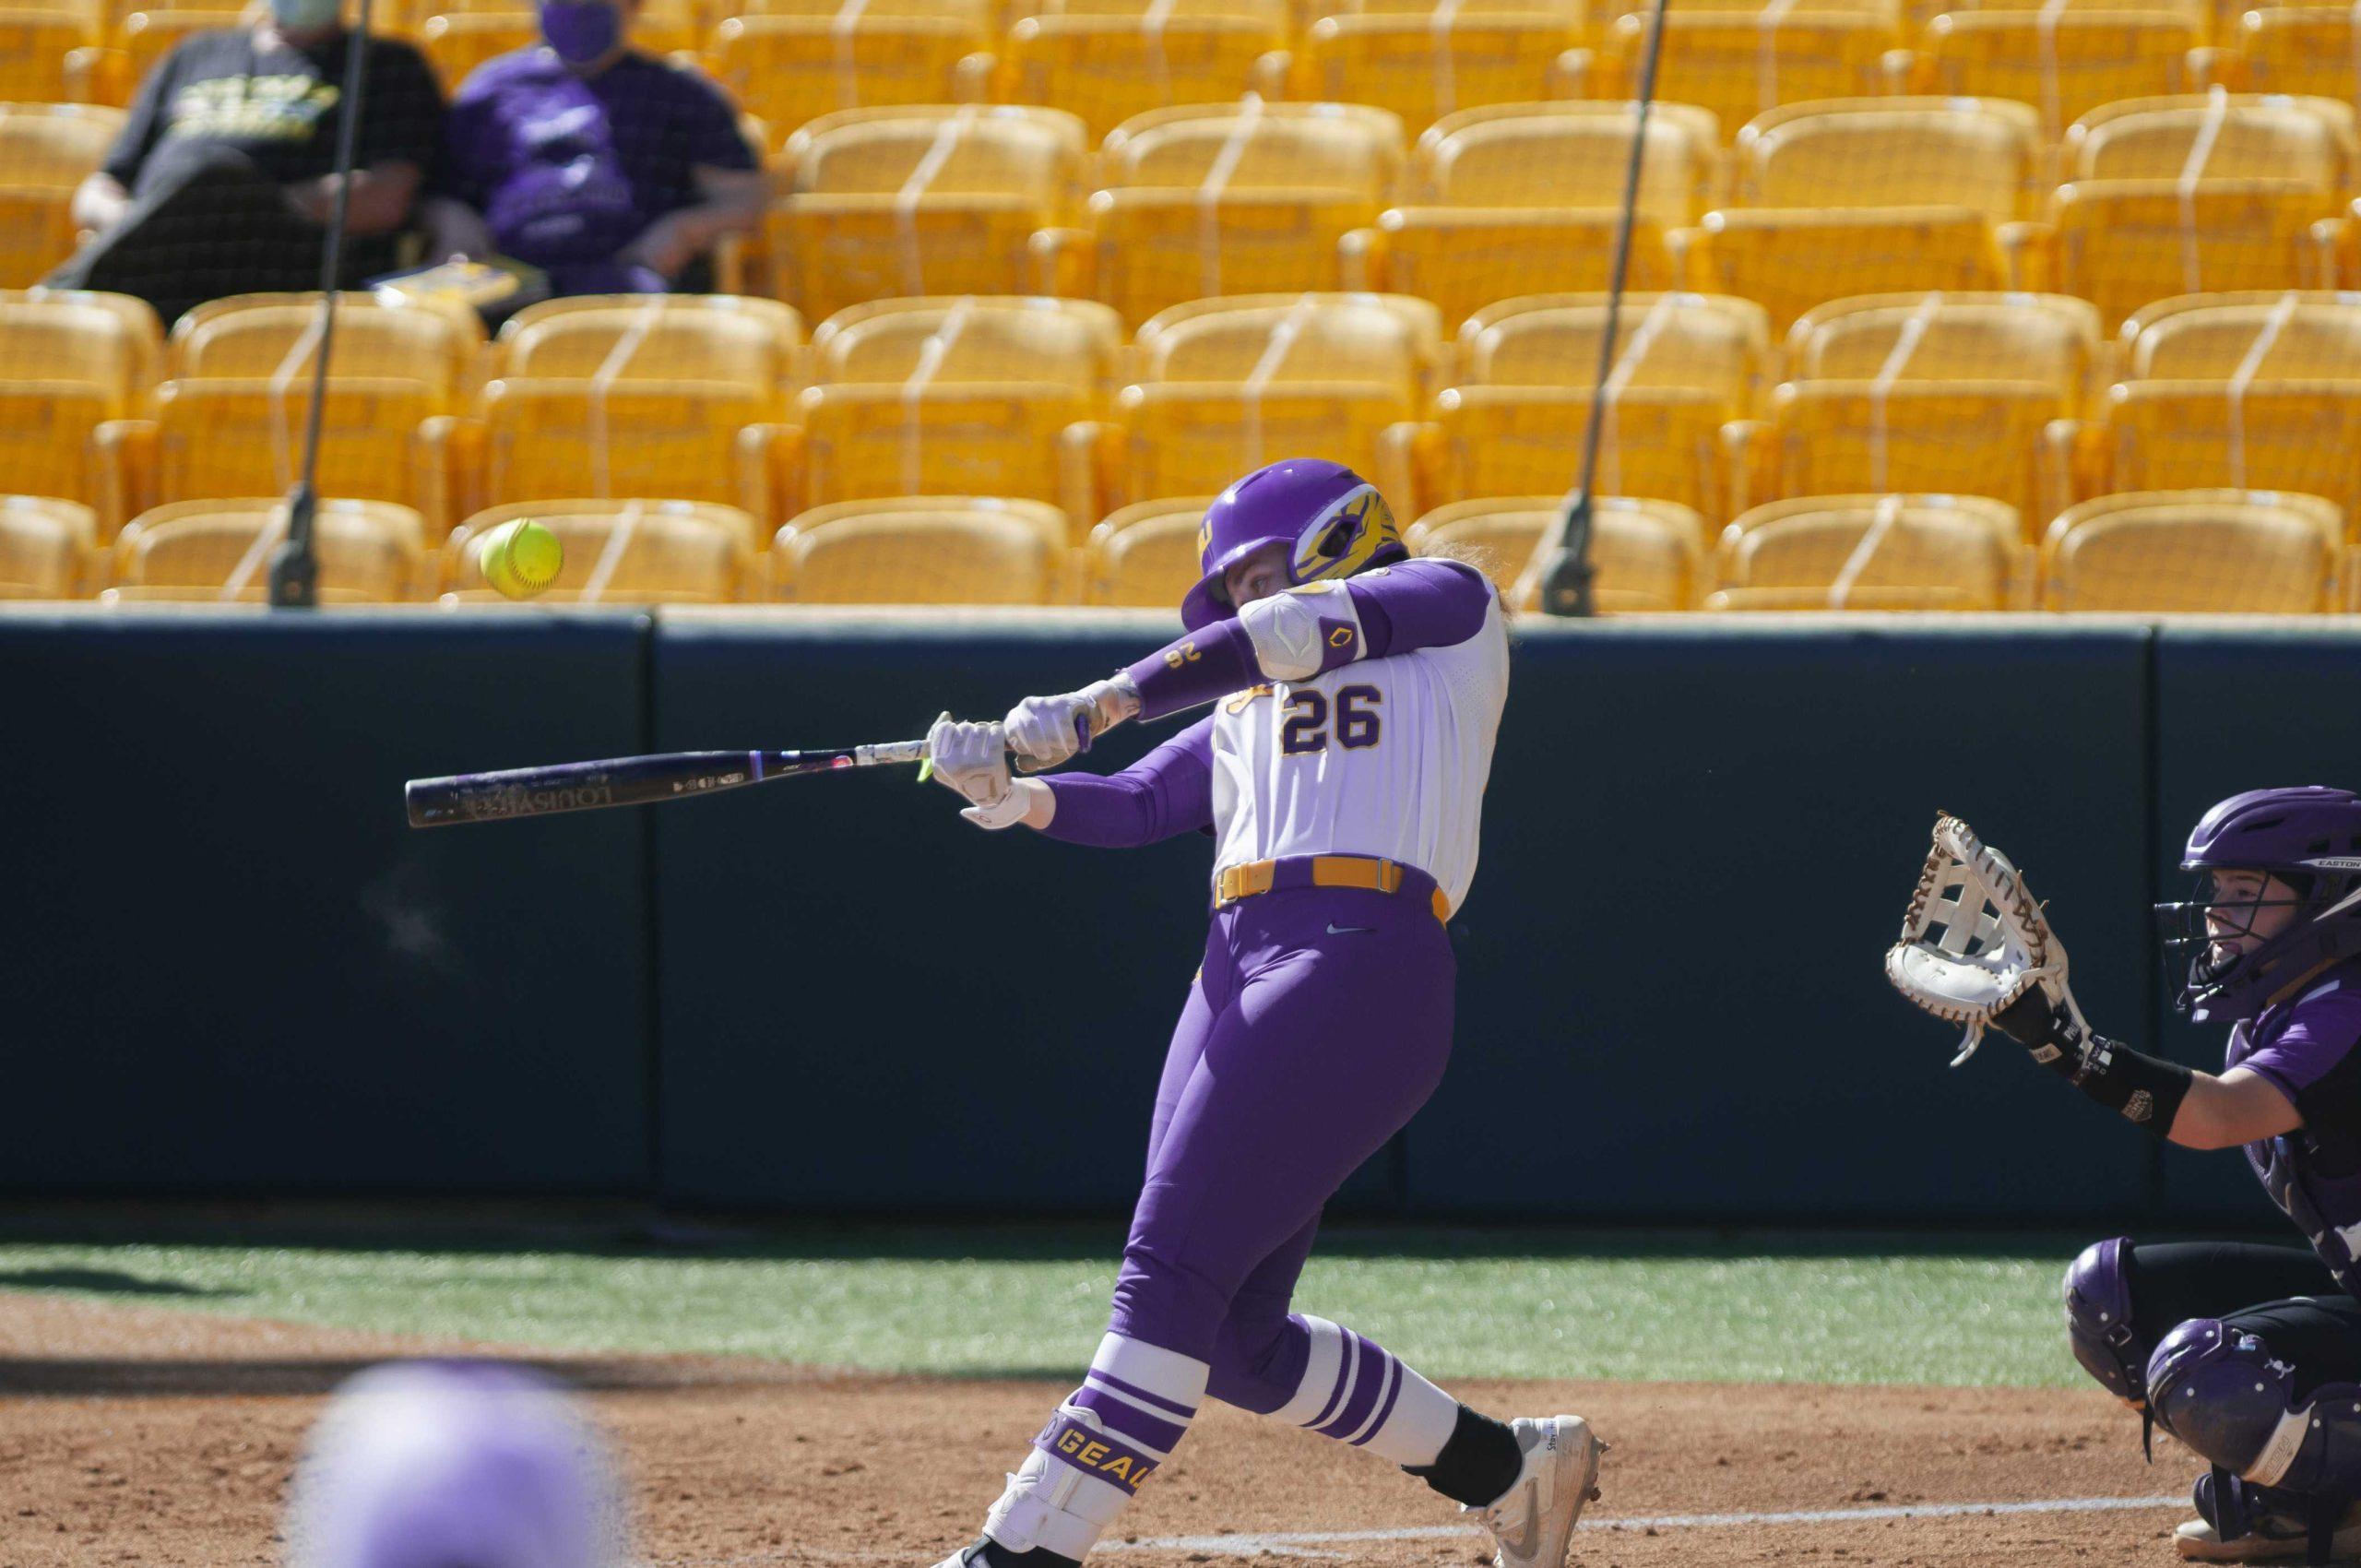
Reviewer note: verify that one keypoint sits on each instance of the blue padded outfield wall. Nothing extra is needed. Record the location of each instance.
(231, 968)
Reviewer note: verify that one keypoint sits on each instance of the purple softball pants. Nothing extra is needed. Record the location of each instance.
(1318, 1026)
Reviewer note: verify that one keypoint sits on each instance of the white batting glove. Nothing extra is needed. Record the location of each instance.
(1045, 732)
(973, 760)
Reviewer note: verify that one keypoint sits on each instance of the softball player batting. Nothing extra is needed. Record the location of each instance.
(2251, 1355)
(1357, 695)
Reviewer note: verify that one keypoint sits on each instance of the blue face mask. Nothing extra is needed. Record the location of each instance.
(306, 16)
(580, 31)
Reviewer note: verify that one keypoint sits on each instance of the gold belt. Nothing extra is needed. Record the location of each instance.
(1362, 871)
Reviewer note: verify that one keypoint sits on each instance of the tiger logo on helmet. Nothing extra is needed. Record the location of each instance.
(1333, 521)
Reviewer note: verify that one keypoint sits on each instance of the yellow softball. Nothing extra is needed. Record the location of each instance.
(520, 558)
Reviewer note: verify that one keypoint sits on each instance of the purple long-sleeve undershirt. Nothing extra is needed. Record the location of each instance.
(1169, 792)
(1412, 604)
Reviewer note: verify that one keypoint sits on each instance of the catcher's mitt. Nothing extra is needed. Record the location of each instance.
(1974, 941)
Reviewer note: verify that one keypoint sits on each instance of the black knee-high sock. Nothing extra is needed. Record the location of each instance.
(1479, 1462)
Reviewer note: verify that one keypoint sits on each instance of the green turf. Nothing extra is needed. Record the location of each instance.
(1846, 1308)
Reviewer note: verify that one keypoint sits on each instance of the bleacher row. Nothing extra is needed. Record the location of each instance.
(1027, 450)
(1038, 280)
(2157, 553)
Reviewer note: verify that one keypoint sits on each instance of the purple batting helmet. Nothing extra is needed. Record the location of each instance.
(1333, 522)
(2310, 837)
(432, 1464)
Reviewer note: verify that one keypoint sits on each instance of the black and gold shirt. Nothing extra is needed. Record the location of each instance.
(280, 106)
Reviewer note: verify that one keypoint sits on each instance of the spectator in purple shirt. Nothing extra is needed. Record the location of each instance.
(612, 171)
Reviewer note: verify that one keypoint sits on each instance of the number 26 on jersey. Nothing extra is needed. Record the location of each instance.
(1305, 730)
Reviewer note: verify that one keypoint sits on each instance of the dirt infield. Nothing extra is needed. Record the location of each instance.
(134, 1435)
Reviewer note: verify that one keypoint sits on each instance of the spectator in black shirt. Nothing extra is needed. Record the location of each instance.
(222, 180)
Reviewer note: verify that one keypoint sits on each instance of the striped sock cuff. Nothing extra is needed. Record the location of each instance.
(1358, 1391)
(1154, 1381)
(1152, 1434)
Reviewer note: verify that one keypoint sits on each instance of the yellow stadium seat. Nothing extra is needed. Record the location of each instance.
(1465, 258)
(2122, 244)
(952, 557)
(104, 343)
(2218, 550)
(1424, 66)
(1225, 200)
(991, 438)
(2218, 137)
(2291, 336)
(1266, 339)
(2050, 338)
(623, 551)
(1270, 13)
(1061, 536)
(224, 435)
(1575, 11)
(1568, 155)
(1793, 258)
(46, 149)
(2300, 48)
(1981, 153)
(921, 200)
(791, 69)
(1109, 68)
(1891, 551)
(1157, 248)
(680, 440)
(368, 551)
(1660, 443)
(746, 342)
(1059, 585)
(141, 38)
(975, 11)
(276, 337)
(47, 547)
(1335, 147)
(60, 55)
(1193, 438)
(1145, 556)
(71, 364)
(139, 318)
(52, 438)
(1701, 342)
(2296, 435)
(1647, 555)
(2065, 62)
(950, 148)
(1991, 439)
(1738, 63)
(936, 342)
(455, 43)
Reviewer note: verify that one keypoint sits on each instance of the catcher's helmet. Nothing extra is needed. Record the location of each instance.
(2307, 837)
(1334, 521)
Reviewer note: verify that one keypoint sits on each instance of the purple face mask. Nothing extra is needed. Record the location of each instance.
(581, 30)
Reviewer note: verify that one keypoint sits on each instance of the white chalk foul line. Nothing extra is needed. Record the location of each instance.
(1292, 1543)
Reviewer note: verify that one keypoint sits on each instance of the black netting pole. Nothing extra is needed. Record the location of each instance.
(295, 565)
(1566, 576)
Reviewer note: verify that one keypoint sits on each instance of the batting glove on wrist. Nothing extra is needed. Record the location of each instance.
(1045, 732)
(974, 761)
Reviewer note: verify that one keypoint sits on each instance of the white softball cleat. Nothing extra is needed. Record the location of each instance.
(1532, 1524)
(2271, 1541)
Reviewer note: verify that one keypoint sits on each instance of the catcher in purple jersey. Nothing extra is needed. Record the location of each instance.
(2251, 1355)
(1356, 694)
